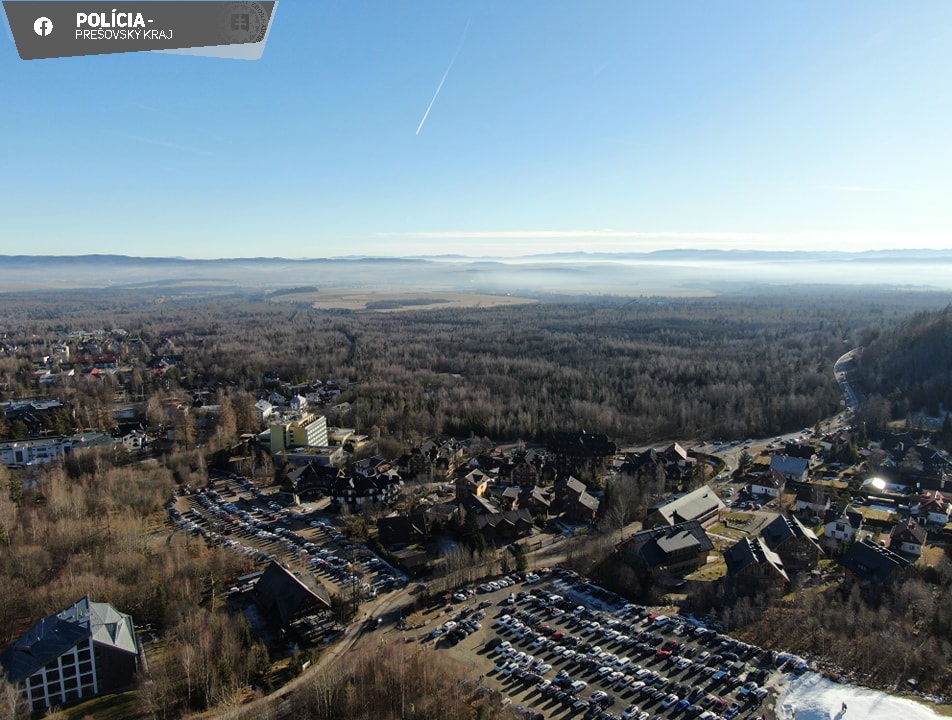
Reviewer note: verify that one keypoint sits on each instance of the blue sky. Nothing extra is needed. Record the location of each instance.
(596, 125)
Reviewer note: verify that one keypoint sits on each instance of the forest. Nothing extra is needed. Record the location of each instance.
(908, 367)
(637, 369)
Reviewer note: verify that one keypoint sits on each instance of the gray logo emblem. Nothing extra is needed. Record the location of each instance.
(43, 26)
(244, 23)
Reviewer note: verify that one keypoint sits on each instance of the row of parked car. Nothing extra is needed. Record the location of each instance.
(685, 665)
(272, 526)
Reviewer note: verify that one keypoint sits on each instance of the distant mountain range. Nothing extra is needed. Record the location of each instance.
(666, 272)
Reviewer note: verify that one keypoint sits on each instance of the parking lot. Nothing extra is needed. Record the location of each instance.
(560, 647)
(238, 515)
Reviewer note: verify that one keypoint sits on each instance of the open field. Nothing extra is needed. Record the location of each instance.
(396, 301)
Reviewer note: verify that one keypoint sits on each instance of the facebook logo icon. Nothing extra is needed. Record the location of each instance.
(43, 26)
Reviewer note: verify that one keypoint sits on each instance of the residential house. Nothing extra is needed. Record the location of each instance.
(523, 473)
(933, 461)
(649, 471)
(572, 450)
(872, 564)
(796, 544)
(312, 480)
(359, 489)
(418, 462)
(474, 483)
(794, 469)
(908, 538)
(842, 526)
(263, 409)
(897, 445)
(770, 483)
(573, 500)
(403, 529)
(510, 497)
(663, 550)
(931, 508)
(799, 450)
(538, 500)
(754, 567)
(413, 561)
(702, 505)
(85, 650)
(836, 445)
(502, 528)
(813, 499)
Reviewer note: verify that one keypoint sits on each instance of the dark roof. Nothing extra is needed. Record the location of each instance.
(782, 528)
(401, 528)
(909, 527)
(769, 479)
(799, 450)
(746, 552)
(536, 494)
(581, 444)
(56, 634)
(656, 544)
(848, 514)
(285, 595)
(510, 518)
(813, 494)
(871, 562)
(479, 505)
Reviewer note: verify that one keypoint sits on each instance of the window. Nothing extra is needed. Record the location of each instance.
(69, 670)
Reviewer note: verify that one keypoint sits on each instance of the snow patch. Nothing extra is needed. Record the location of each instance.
(814, 697)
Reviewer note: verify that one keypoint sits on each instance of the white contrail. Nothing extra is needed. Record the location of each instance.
(443, 79)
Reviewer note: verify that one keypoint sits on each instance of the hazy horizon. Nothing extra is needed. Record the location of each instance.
(673, 274)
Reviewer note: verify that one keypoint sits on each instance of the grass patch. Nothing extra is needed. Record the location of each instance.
(723, 530)
(120, 706)
(711, 572)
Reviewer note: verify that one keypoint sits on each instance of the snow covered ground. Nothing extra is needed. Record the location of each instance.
(813, 697)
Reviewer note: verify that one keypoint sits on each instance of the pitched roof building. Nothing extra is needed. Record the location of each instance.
(702, 505)
(907, 538)
(668, 550)
(87, 649)
(873, 564)
(753, 566)
(284, 596)
(791, 468)
(796, 544)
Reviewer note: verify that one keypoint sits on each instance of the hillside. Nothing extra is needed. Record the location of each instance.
(910, 366)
